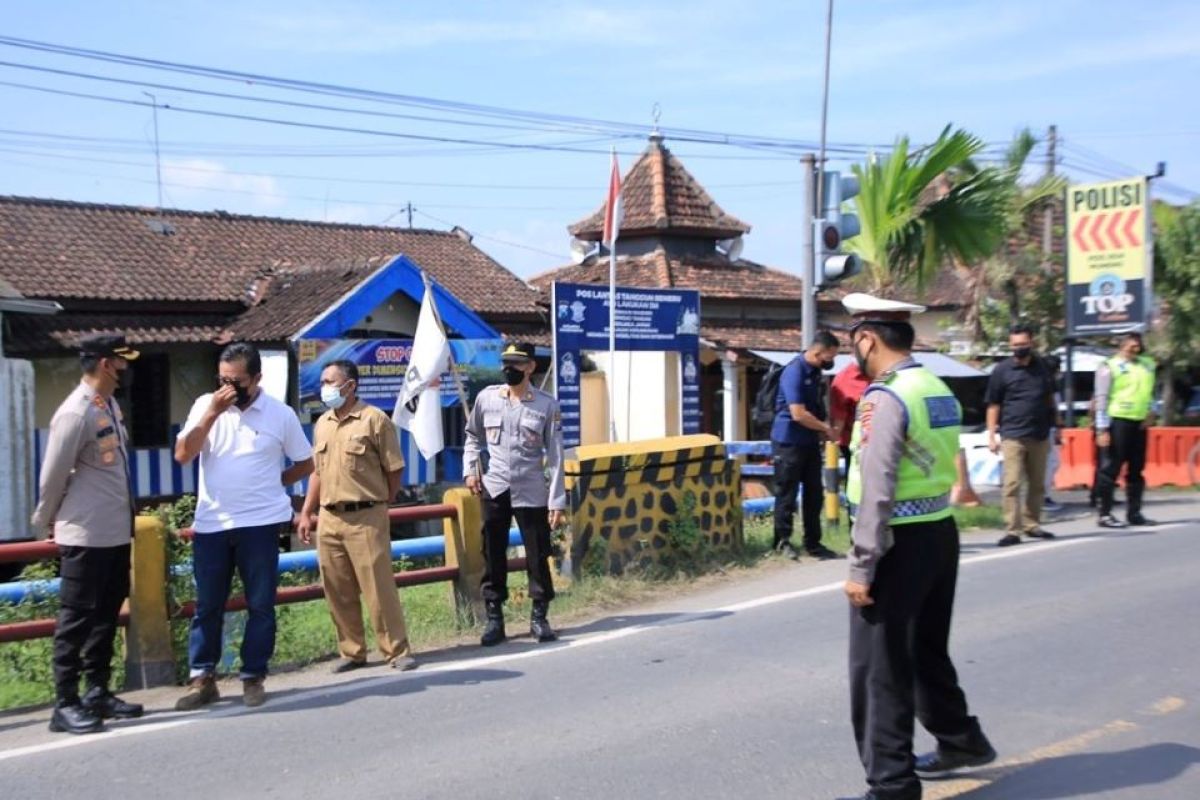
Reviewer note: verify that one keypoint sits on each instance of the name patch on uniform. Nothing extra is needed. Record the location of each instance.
(943, 412)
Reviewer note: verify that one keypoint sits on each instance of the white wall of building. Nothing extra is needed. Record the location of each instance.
(647, 393)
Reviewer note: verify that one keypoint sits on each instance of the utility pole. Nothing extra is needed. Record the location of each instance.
(1048, 216)
(409, 209)
(808, 269)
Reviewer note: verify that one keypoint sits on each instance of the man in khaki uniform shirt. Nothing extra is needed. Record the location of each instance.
(358, 465)
(85, 503)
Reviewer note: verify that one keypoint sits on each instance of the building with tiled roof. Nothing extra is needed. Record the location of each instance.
(181, 284)
(674, 235)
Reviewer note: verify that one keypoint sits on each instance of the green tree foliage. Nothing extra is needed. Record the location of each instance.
(927, 209)
(1176, 341)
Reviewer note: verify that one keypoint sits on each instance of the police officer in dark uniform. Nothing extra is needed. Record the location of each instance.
(521, 428)
(903, 561)
(85, 501)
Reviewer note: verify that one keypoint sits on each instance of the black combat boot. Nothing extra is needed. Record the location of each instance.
(493, 631)
(539, 626)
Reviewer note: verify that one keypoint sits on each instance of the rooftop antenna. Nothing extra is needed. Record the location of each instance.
(656, 115)
(157, 158)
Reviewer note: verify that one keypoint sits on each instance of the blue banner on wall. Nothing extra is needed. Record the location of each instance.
(382, 363)
(656, 320)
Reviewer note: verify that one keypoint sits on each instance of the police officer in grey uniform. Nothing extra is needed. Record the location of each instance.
(85, 501)
(903, 561)
(521, 429)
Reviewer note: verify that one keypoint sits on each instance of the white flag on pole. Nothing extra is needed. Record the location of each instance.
(419, 404)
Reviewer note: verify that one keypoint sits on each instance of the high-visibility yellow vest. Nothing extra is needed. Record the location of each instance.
(927, 468)
(1132, 389)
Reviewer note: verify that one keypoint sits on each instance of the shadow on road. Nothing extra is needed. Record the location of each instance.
(1088, 774)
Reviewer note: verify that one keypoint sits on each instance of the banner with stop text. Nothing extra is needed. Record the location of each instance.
(1108, 257)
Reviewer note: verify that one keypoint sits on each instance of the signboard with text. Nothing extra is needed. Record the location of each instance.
(1108, 257)
(382, 363)
(663, 320)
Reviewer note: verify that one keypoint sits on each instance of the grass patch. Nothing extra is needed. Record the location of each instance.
(306, 635)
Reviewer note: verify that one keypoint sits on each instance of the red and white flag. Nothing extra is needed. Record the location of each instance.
(613, 210)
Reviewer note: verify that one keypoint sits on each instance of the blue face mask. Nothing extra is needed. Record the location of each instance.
(332, 396)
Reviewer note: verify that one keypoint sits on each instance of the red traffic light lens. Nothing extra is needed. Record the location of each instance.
(831, 237)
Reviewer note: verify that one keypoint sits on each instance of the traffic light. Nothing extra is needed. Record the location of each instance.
(834, 229)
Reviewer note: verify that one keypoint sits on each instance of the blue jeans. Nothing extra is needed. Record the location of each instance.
(255, 553)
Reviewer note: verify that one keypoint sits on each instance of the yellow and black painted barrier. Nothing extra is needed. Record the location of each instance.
(629, 495)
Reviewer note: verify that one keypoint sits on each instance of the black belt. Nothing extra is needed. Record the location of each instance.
(355, 506)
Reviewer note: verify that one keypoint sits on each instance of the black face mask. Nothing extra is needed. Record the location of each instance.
(124, 380)
(826, 366)
(242, 397)
(513, 376)
(861, 359)
(1022, 352)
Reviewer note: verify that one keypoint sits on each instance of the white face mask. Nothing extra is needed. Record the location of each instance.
(332, 397)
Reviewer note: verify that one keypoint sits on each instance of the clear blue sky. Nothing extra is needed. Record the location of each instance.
(1118, 79)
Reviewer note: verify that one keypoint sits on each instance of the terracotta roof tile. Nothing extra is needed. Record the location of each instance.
(43, 335)
(660, 196)
(59, 249)
(715, 276)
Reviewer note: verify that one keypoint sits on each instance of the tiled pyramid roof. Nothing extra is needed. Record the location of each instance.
(659, 196)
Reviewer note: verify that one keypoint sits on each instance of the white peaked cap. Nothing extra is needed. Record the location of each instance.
(858, 304)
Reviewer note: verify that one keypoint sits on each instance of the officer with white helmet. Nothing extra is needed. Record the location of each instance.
(903, 560)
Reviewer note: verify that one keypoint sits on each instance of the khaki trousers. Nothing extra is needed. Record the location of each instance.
(354, 551)
(1024, 461)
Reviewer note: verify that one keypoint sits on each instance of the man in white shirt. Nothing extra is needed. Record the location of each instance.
(242, 437)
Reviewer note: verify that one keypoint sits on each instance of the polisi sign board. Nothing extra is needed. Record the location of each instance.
(1108, 256)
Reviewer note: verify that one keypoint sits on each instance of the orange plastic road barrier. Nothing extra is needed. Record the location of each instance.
(1167, 451)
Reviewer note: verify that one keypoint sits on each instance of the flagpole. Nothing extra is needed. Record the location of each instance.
(458, 384)
(611, 212)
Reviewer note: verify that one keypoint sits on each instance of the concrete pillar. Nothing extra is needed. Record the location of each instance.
(149, 660)
(731, 389)
(464, 549)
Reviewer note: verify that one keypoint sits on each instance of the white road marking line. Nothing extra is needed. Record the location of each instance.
(566, 644)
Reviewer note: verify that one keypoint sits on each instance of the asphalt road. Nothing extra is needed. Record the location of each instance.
(1080, 656)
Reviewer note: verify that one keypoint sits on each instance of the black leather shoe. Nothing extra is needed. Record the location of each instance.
(1109, 521)
(493, 631)
(821, 552)
(1138, 519)
(1008, 540)
(539, 626)
(1039, 533)
(940, 761)
(75, 719)
(786, 549)
(106, 705)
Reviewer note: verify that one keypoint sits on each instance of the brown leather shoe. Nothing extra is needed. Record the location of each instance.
(201, 691)
(253, 693)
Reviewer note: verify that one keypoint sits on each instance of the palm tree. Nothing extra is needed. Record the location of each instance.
(1004, 268)
(924, 209)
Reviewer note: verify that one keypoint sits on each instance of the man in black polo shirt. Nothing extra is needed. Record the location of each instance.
(796, 436)
(1020, 407)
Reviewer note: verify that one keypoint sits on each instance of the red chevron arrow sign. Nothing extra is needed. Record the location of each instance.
(1111, 231)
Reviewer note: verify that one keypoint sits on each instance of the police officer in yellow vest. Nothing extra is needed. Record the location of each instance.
(903, 561)
(1124, 392)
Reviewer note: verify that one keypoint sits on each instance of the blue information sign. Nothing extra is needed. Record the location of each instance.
(647, 320)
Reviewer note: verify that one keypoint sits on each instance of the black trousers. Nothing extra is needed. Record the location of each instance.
(900, 666)
(1128, 447)
(534, 524)
(95, 582)
(797, 466)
